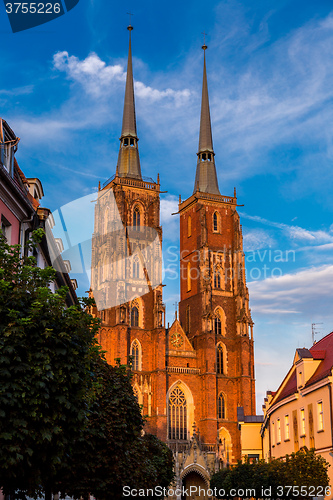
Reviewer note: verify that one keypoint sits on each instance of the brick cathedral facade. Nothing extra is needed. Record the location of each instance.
(192, 377)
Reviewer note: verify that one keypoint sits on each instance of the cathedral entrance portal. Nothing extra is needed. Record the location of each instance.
(198, 484)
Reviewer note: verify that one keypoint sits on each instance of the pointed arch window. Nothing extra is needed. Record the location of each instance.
(136, 267)
(217, 324)
(219, 321)
(134, 316)
(221, 406)
(136, 355)
(189, 226)
(177, 410)
(216, 220)
(136, 218)
(220, 368)
(217, 278)
(106, 220)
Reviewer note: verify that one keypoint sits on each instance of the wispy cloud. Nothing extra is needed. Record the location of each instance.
(294, 232)
(27, 89)
(97, 78)
(256, 239)
(307, 292)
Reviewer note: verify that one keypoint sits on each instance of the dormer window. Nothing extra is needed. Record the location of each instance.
(7, 157)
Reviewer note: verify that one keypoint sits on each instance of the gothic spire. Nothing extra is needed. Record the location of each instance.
(206, 178)
(128, 159)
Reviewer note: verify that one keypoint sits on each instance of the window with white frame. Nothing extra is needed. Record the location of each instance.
(273, 434)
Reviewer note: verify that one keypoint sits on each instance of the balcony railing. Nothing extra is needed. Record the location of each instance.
(144, 182)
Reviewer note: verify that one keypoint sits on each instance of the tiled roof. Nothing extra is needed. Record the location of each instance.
(323, 349)
(290, 387)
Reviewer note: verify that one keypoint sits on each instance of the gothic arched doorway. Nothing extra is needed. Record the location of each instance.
(199, 486)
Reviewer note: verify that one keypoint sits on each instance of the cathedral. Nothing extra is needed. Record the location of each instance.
(193, 377)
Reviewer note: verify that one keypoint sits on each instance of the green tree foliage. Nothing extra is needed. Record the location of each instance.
(69, 422)
(45, 372)
(287, 476)
(116, 453)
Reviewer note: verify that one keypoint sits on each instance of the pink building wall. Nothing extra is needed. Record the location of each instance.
(15, 228)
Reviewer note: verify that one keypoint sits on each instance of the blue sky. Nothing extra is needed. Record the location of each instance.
(270, 76)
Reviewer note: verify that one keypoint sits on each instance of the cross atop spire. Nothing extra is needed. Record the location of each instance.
(204, 47)
(129, 27)
(128, 159)
(206, 178)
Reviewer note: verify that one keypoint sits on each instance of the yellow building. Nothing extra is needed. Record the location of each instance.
(251, 442)
(299, 413)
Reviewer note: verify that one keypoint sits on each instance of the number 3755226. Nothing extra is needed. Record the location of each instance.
(33, 8)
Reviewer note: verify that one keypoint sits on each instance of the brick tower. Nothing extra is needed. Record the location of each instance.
(126, 268)
(191, 377)
(214, 306)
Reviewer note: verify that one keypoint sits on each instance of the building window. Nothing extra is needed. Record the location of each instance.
(217, 277)
(136, 267)
(286, 427)
(187, 319)
(278, 425)
(320, 414)
(217, 324)
(189, 226)
(135, 316)
(302, 422)
(273, 434)
(215, 222)
(219, 359)
(136, 355)
(189, 276)
(136, 218)
(177, 415)
(221, 407)
(6, 228)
